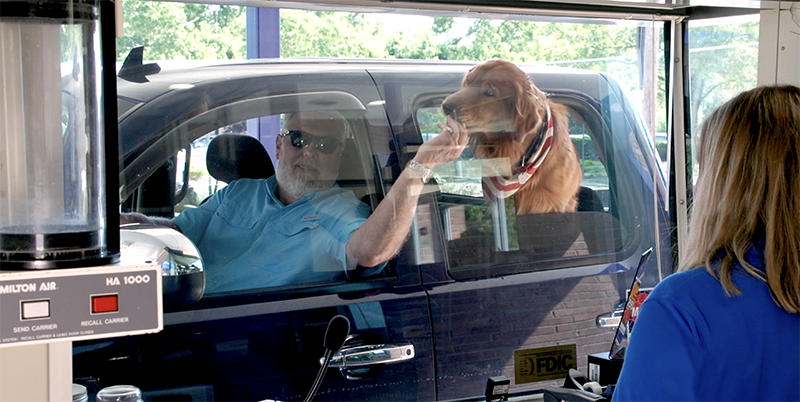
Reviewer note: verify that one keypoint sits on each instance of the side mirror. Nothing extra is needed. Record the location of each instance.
(183, 277)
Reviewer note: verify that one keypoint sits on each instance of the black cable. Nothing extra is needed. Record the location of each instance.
(320, 375)
(335, 335)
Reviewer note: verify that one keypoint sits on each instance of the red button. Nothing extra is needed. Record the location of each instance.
(104, 304)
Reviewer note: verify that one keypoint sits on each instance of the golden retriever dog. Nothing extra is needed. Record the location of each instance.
(523, 136)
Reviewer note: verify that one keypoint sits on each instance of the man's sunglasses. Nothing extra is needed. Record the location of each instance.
(302, 140)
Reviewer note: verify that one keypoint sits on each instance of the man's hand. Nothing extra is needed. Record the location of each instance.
(384, 232)
(446, 146)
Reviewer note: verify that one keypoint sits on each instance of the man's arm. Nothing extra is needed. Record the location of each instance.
(135, 217)
(382, 235)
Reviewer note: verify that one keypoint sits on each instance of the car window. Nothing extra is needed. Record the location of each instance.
(594, 171)
(221, 155)
(465, 261)
(488, 238)
(463, 176)
(323, 222)
(201, 184)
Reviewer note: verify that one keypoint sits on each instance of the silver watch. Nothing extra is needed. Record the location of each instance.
(423, 172)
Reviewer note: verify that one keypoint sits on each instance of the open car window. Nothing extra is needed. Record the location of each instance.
(488, 238)
(201, 184)
(463, 176)
(199, 157)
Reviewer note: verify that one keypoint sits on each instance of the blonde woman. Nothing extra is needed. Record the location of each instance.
(727, 327)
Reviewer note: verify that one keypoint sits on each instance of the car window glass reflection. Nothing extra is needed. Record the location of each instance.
(290, 228)
(201, 183)
(482, 232)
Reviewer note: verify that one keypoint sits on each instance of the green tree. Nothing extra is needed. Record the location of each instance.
(423, 46)
(723, 58)
(329, 34)
(175, 31)
(723, 61)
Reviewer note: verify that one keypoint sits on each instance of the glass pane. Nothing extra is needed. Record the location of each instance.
(233, 222)
(723, 61)
(491, 238)
(543, 278)
(594, 172)
(180, 170)
(201, 184)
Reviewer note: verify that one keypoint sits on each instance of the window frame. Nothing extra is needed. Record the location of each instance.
(626, 224)
(179, 137)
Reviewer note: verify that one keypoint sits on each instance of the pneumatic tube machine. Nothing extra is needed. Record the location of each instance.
(60, 276)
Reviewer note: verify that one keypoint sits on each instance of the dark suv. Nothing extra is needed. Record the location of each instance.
(475, 292)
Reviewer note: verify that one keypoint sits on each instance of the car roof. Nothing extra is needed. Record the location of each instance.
(149, 104)
(190, 73)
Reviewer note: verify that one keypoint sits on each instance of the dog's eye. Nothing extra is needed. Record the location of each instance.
(488, 92)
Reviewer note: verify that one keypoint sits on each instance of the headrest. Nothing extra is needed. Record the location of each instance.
(235, 156)
(589, 200)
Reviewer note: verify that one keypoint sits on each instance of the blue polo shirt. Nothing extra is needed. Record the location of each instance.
(693, 342)
(249, 239)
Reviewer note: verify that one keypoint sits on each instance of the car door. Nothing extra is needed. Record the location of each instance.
(518, 296)
(259, 343)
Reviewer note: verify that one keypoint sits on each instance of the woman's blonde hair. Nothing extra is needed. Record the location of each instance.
(748, 189)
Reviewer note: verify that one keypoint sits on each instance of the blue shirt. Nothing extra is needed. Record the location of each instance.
(692, 342)
(249, 239)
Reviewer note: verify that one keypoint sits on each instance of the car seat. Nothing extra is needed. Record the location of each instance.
(235, 156)
(589, 200)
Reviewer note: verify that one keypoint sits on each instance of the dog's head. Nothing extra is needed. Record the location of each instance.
(497, 97)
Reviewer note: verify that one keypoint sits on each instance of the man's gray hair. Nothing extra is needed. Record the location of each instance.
(335, 117)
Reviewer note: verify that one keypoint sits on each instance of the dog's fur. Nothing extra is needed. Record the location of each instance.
(503, 112)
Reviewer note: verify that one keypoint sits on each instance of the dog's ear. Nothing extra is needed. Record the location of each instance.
(465, 80)
(530, 105)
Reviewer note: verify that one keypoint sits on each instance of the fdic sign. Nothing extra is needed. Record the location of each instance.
(551, 363)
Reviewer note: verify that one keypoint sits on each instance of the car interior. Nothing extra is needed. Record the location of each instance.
(488, 239)
(232, 156)
(235, 156)
(551, 240)
(483, 239)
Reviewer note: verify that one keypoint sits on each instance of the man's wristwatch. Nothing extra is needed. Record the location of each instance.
(423, 172)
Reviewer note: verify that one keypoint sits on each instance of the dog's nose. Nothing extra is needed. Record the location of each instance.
(448, 108)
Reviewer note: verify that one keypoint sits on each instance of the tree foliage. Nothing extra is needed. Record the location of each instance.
(328, 34)
(723, 62)
(177, 31)
(723, 58)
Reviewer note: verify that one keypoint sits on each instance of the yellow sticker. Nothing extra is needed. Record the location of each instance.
(550, 363)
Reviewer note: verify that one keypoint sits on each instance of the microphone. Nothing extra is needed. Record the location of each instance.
(335, 335)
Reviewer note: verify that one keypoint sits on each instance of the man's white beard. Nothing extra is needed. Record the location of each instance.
(296, 186)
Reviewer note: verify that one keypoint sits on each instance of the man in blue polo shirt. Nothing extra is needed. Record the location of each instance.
(299, 226)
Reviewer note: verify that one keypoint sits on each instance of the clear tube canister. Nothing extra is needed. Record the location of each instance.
(52, 166)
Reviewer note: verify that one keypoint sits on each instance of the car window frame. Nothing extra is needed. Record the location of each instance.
(180, 136)
(590, 111)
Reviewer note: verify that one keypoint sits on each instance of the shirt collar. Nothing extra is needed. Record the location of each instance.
(755, 254)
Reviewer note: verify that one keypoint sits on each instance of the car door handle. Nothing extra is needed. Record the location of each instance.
(608, 320)
(368, 355)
